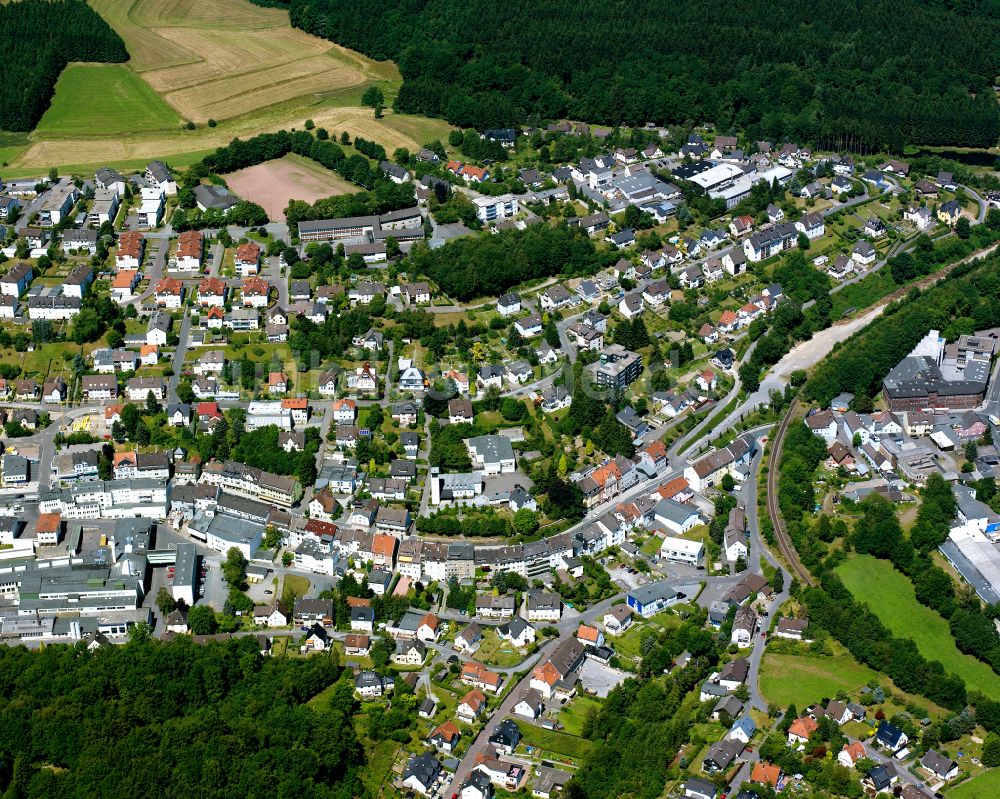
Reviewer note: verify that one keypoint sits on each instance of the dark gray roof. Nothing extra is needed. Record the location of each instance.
(919, 376)
(425, 767)
(214, 197)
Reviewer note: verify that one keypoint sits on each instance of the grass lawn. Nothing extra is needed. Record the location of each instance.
(557, 743)
(105, 98)
(279, 647)
(651, 546)
(493, 651)
(573, 715)
(379, 758)
(802, 680)
(864, 293)
(985, 786)
(629, 645)
(711, 731)
(294, 586)
(891, 597)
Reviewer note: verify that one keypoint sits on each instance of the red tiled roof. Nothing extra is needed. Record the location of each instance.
(189, 244)
(249, 252)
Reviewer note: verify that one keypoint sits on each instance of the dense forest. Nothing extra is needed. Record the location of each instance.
(850, 75)
(174, 719)
(38, 40)
(484, 266)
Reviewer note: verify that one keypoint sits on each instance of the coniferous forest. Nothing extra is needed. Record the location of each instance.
(39, 38)
(857, 74)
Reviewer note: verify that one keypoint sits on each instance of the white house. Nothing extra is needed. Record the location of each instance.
(509, 304)
(823, 424)
(161, 178)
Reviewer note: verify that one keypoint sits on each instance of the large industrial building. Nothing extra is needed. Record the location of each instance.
(928, 379)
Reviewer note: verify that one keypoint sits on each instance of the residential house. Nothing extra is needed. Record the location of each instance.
(720, 755)
(509, 304)
(247, 259)
(939, 766)
(744, 627)
(864, 253)
(891, 737)
(801, 730)
(169, 293)
(190, 246)
(471, 706)
(949, 213)
(851, 753)
(553, 298)
(652, 598)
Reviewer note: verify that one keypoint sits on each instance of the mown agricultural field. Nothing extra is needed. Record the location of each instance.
(104, 99)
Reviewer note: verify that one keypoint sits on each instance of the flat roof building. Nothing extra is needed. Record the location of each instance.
(185, 574)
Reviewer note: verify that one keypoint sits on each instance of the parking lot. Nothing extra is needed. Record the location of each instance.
(599, 679)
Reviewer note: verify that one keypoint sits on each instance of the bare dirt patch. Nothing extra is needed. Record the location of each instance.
(272, 184)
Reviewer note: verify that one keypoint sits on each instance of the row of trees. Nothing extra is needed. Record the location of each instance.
(928, 255)
(832, 607)
(879, 533)
(383, 195)
(792, 72)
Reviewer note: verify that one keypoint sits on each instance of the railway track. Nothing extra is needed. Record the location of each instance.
(773, 510)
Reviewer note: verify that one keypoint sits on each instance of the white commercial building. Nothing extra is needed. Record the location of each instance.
(681, 550)
(109, 499)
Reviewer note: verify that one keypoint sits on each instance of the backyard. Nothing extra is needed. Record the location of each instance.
(559, 745)
(574, 715)
(494, 651)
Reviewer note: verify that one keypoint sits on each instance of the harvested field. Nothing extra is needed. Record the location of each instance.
(227, 58)
(271, 185)
(181, 147)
